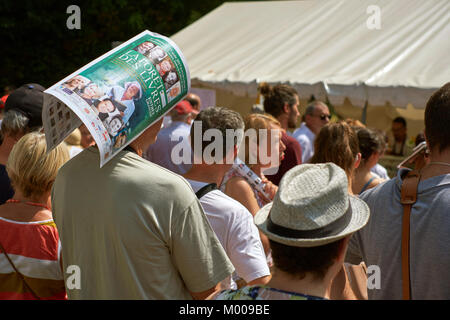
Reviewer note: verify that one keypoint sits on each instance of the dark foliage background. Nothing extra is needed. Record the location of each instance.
(36, 45)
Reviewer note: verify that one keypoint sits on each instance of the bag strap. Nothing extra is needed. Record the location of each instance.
(209, 187)
(20, 275)
(408, 198)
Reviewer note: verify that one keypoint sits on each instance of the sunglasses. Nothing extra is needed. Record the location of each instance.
(325, 116)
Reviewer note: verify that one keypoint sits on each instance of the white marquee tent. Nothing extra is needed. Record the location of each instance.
(387, 55)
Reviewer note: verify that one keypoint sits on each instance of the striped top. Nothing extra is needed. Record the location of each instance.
(34, 248)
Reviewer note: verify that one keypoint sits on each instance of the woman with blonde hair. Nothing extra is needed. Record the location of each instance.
(237, 186)
(29, 243)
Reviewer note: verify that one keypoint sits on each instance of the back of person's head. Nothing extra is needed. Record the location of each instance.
(30, 168)
(257, 121)
(369, 142)
(194, 100)
(227, 123)
(23, 110)
(299, 261)
(437, 119)
(400, 120)
(181, 112)
(276, 97)
(337, 143)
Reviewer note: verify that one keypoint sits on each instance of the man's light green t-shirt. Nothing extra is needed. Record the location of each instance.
(134, 229)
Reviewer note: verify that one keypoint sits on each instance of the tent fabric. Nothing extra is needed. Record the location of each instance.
(326, 48)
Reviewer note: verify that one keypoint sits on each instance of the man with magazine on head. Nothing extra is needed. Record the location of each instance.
(407, 235)
(134, 230)
(231, 221)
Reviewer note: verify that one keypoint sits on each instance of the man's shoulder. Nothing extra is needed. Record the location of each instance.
(133, 167)
(224, 202)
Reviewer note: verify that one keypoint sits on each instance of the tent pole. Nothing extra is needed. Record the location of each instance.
(364, 113)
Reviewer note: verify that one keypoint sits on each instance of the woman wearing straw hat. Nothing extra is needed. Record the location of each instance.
(309, 224)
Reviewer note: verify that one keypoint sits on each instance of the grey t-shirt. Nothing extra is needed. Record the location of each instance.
(134, 229)
(379, 242)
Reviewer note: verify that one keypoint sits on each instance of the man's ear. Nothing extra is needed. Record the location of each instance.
(286, 108)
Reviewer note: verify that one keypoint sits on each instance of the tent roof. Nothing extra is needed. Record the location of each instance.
(325, 48)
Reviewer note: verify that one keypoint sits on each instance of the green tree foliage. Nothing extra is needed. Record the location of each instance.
(38, 47)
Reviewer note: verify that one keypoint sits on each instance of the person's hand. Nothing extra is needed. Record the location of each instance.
(270, 189)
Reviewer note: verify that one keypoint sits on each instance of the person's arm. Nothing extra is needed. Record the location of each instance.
(239, 189)
(245, 249)
(205, 294)
(262, 280)
(196, 252)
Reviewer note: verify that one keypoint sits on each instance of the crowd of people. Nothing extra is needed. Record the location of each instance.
(144, 226)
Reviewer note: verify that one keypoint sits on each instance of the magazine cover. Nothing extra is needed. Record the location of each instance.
(118, 95)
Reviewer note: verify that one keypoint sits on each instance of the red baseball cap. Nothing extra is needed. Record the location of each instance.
(184, 107)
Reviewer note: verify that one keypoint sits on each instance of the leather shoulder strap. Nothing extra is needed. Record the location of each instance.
(18, 273)
(209, 187)
(408, 198)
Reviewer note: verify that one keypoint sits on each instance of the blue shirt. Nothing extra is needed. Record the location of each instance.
(173, 138)
(379, 242)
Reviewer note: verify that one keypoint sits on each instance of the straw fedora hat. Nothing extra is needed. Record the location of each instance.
(312, 207)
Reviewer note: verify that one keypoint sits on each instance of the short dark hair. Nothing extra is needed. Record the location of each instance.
(220, 118)
(275, 97)
(437, 119)
(400, 120)
(297, 261)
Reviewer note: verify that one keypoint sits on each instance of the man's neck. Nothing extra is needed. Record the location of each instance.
(308, 285)
(207, 173)
(283, 122)
(310, 128)
(439, 164)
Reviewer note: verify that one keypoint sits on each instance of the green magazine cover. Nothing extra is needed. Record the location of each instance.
(118, 95)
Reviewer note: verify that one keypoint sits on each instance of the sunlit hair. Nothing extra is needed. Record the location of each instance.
(30, 169)
(257, 121)
(338, 143)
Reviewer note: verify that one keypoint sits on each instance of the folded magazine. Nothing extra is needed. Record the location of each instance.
(118, 95)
